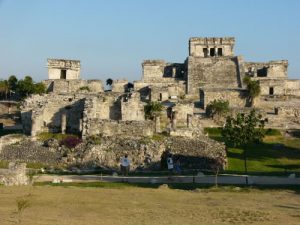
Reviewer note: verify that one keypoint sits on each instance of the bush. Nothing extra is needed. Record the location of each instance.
(213, 131)
(85, 88)
(217, 107)
(272, 132)
(58, 136)
(71, 142)
(94, 139)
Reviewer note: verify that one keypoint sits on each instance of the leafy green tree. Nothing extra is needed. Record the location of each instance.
(39, 88)
(152, 109)
(217, 107)
(243, 129)
(12, 83)
(25, 87)
(253, 89)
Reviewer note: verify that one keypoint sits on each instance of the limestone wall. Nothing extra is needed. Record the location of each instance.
(182, 112)
(119, 86)
(272, 69)
(158, 71)
(292, 87)
(14, 175)
(199, 46)
(164, 91)
(45, 114)
(132, 108)
(276, 84)
(235, 97)
(73, 86)
(117, 128)
(63, 69)
(219, 72)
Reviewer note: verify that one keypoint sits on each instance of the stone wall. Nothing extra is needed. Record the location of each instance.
(132, 109)
(119, 86)
(14, 175)
(163, 91)
(272, 69)
(182, 112)
(63, 69)
(158, 71)
(97, 126)
(219, 72)
(292, 87)
(276, 84)
(202, 47)
(73, 86)
(44, 113)
(235, 97)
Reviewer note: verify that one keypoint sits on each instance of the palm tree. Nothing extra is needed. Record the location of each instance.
(253, 88)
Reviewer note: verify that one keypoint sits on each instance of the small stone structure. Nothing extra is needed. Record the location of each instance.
(14, 175)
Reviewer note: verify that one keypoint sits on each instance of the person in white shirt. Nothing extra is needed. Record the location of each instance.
(125, 165)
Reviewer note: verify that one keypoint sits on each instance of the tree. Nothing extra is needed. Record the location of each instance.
(12, 83)
(253, 89)
(130, 87)
(217, 107)
(4, 88)
(243, 130)
(25, 87)
(39, 88)
(152, 109)
(109, 81)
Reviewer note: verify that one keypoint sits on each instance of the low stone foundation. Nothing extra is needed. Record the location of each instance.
(14, 175)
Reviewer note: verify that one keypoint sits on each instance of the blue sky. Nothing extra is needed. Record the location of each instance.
(112, 38)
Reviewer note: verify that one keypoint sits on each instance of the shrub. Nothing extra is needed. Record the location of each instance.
(213, 131)
(94, 139)
(85, 88)
(70, 141)
(272, 132)
(58, 136)
(217, 107)
(152, 109)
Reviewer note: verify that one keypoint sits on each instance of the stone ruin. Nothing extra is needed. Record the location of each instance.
(14, 175)
(211, 71)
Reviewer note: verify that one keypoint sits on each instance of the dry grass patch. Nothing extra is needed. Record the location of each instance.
(133, 205)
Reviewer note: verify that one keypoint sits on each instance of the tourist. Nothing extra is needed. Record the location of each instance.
(170, 163)
(177, 166)
(125, 165)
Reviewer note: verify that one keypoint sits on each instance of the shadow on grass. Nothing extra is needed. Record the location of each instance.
(176, 186)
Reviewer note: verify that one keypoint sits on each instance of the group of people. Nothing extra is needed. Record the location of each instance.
(172, 167)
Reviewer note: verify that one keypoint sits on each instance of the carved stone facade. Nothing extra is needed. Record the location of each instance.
(211, 71)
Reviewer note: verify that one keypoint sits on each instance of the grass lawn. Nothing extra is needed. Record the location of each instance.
(105, 204)
(277, 154)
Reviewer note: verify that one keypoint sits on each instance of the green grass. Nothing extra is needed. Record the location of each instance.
(58, 136)
(277, 154)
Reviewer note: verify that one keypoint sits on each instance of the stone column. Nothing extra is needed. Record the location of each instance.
(174, 72)
(189, 120)
(157, 124)
(174, 121)
(208, 51)
(63, 122)
(216, 51)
